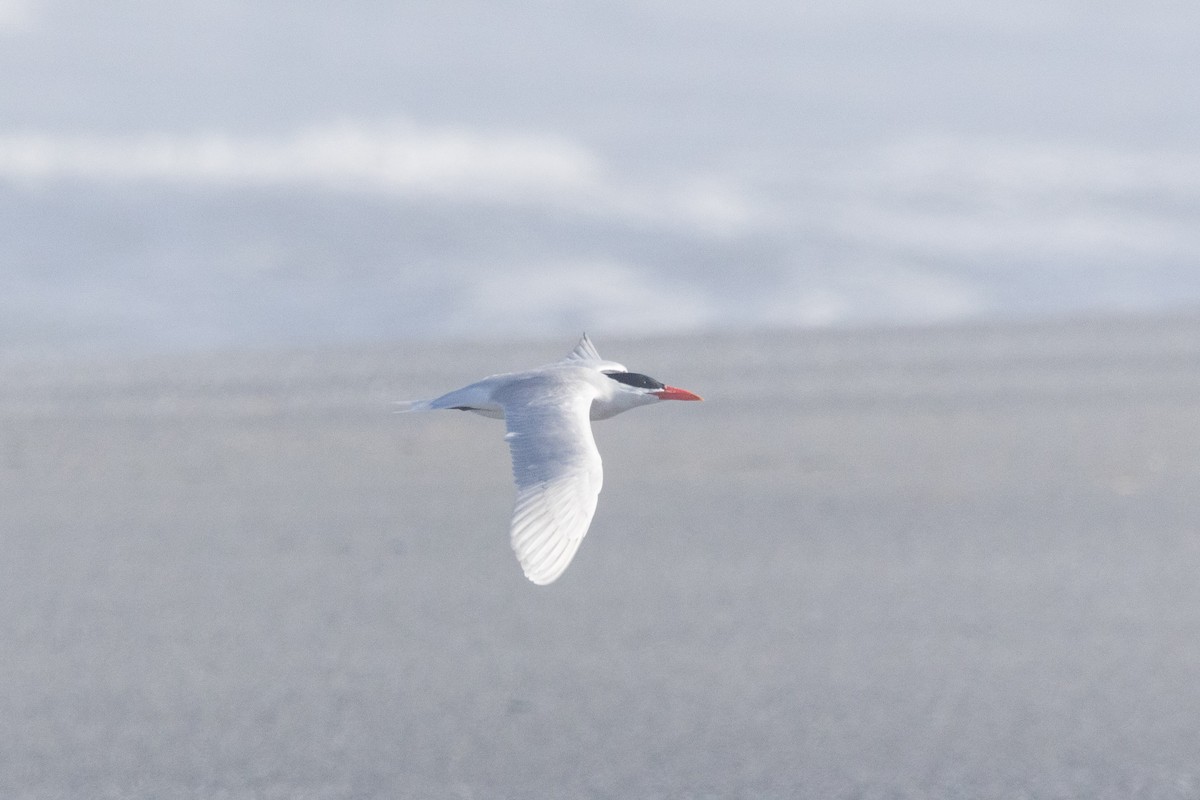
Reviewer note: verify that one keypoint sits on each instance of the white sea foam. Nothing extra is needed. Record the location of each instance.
(401, 159)
(536, 232)
(396, 157)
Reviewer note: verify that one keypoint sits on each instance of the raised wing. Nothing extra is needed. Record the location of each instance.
(557, 470)
(584, 351)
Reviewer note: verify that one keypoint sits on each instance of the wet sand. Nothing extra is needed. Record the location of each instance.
(948, 563)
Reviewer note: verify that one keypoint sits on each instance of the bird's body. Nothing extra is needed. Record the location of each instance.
(556, 465)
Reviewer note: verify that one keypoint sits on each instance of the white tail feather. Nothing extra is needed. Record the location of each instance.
(404, 406)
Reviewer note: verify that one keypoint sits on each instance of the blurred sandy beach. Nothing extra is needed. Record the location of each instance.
(885, 563)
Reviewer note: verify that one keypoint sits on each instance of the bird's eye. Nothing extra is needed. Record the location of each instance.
(635, 379)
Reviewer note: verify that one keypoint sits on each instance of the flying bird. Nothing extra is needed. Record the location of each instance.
(556, 466)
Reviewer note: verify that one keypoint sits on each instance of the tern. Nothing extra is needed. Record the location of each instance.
(547, 412)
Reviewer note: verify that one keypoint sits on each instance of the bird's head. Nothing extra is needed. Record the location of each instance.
(623, 389)
(637, 389)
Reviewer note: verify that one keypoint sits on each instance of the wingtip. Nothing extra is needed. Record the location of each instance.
(543, 548)
(538, 580)
(545, 574)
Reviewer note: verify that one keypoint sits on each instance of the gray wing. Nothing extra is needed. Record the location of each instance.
(557, 470)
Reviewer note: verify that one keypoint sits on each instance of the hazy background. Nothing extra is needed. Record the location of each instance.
(190, 175)
(933, 534)
(875, 565)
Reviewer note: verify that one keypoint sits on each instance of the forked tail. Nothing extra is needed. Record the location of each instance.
(404, 406)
